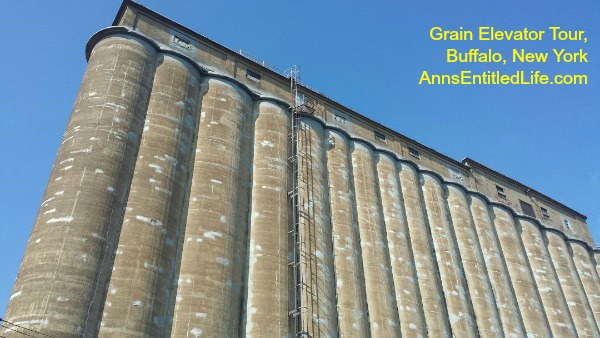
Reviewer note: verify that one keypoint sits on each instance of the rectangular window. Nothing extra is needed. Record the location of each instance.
(545, 214)
(527, 209)
(343, 120)
(414, 153)
(379, 137)
(254, 76)
(500, 192)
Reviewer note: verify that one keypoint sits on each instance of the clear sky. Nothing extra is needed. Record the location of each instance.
(368, 56)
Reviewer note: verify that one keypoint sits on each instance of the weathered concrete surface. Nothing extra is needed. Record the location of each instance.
(379, 284)
(584, 321)
(480, 288)
(506, 302)
(349, 276)
(460, 312)
(267, 285)
(408, 298)
(319, 314)
(141, 281)
(554, 302)
(588, 276)
(61, 283)
(434, 309)
(521, 277)
(596, 259)
(208, 298)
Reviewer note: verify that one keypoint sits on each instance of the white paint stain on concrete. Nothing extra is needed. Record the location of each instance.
(49, 211)
(148, 220)
(66, 219)
(196, 332)
(213, 234)
(16, 294)
(86, 150)
(222, 261)
(266, 143)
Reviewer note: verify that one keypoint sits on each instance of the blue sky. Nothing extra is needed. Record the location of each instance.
(367, 56)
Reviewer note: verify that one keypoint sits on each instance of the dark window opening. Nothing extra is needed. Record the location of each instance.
(527, 209)
(342, 119)
(545, 213)
(379, 136)
(567, 224)
(254, 76)
(500, 192)
(414, 153)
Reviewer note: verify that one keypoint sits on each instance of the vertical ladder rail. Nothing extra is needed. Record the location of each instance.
(296, 303)
(305, 270)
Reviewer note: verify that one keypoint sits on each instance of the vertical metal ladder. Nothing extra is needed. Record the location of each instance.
(304, 269)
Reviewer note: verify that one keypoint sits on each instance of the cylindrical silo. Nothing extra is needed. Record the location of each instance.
(267, 285)
(408, 298)
(349, 277)
(61, 282)
(318, 312)
(584, 321)
(141, 281)
(480, 288)
(434, 309)
(521, 277)
(506, 302)
(588, 275)
(549, 289)
(208, 300)
(460, 312)
(379, 285)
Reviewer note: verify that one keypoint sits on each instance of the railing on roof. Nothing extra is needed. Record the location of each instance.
(276, 69)
(262, 62)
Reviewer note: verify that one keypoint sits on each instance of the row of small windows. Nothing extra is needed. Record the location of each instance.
(528, 208)
(381, 138)
(252, 75)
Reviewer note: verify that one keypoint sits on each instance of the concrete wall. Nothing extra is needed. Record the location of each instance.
(167, 213)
